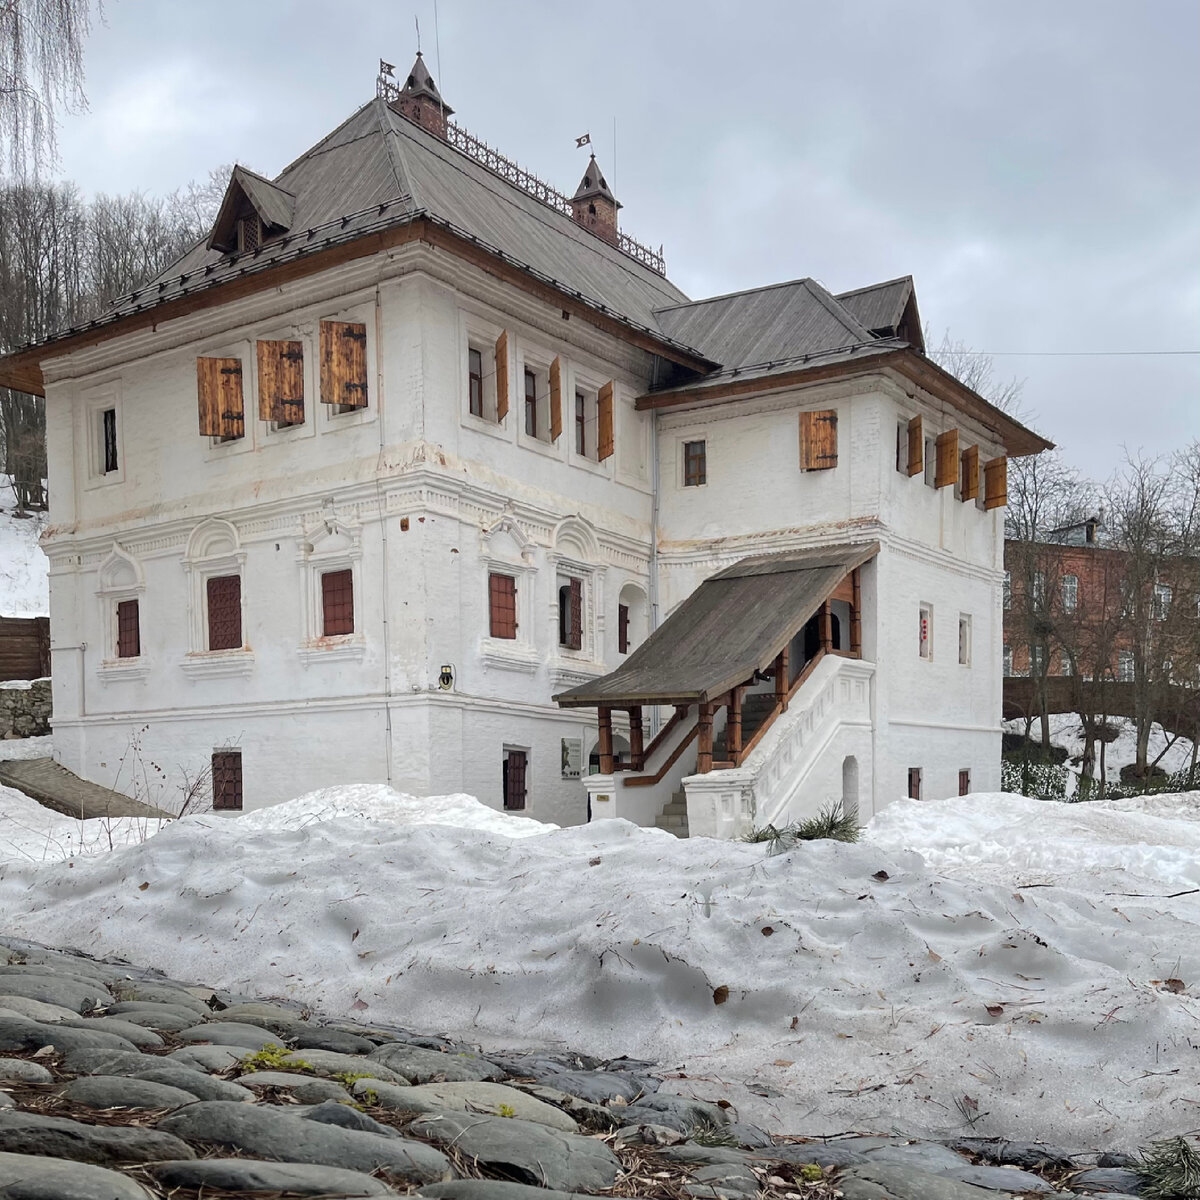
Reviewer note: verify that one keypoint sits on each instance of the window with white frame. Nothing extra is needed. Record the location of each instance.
(480, 378)
(331, 557)
(1162, 601)
(1125, 666)
(1037, 659)
(1008, 661)
(535, 400)
(506, 593)
(214, 563)
(121, 589)
(925, 631)
(1039, 590)
(584, 425)
(1070, 593)
(105, 449)
(931, 462)
(964, 639)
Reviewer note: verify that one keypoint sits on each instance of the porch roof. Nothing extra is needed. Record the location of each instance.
(732, 625)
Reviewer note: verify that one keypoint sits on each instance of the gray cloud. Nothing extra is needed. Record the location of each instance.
(1033, 165)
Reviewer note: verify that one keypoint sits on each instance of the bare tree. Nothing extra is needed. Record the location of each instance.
(977, 370)
(41, 71)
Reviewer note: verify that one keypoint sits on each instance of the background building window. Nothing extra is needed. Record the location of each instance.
(1039, 590)
(1008, 589)
(227, 780)
(1125, 666)
(129, 634)
(337, 603)
(695, 464)
(1008, 660)
(502, 605)
(516, 765)
(1162, 601)
(1070, 593)
(224, 596)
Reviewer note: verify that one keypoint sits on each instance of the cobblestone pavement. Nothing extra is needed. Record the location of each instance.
(117, 1083)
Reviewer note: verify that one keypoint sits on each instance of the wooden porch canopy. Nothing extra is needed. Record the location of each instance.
(732, 625)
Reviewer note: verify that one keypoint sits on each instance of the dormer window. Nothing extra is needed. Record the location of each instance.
(249, 233)
(252, 211)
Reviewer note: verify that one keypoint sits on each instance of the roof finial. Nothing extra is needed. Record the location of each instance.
(417, 23)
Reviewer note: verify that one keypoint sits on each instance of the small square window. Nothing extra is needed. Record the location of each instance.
(914, 783)
(337, 603)
(695, 464)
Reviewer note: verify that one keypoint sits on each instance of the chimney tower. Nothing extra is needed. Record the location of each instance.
(420, 101)
(594, 206)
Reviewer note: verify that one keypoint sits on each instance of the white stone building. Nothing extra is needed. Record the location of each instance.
(414, 444)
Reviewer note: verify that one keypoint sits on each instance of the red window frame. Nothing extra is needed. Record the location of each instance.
(337, 603)
(227, 780)
(224, 594)
(502, 605)
(129, 633)
(515, 786)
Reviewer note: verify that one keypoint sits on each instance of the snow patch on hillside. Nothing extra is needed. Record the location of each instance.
(1039, 960)
(24, 579)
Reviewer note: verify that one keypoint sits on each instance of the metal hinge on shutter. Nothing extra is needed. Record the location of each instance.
(355, 334)
(231, 370)
(292, 355)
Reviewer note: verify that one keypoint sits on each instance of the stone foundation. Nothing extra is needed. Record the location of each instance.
(25, 708)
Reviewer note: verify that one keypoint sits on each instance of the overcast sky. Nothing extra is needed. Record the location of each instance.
(1035, 166)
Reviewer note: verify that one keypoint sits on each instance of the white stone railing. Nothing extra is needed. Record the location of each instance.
(764, 789)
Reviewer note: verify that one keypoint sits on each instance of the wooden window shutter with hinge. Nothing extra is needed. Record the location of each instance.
(502, 376)
(916, 447)
(344, 363)
(995, 483)
(970, 473)
(947, 458)
(818, 440)
(281, 382)
(555, 399)
(604, 414)
(219, 389)
(575, 633)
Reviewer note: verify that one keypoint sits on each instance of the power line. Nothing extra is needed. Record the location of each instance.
(1062, 353)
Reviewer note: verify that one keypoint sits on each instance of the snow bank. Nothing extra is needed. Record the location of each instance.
(32, 747)
(1022, 963)
(1067, 732)
(24, 569)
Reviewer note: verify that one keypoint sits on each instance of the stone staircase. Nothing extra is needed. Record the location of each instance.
(673, 817)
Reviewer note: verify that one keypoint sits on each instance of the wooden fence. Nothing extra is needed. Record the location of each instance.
(24, 647)
(1178, 711)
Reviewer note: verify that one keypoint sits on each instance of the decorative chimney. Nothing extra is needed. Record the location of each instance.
(594, 206)
(420, 101)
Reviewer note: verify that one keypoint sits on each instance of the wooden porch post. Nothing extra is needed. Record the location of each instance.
(704, 757)
(606, 754)
(856, 614)
(637, 748)
(733, 731)
(826, 627)
(782, 670)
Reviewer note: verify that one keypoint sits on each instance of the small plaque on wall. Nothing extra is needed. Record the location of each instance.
(572, 758)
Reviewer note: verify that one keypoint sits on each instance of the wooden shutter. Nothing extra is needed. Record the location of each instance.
(947, 458)
(604, 416)
(575, 632)
(227, 779)
(337, 603)
(281, 382)
(916, 447)
(995, 483)
(219, 391)
(344, 363)
(129, 634)
(224, 594)
(555, 399)
(970, 473)
(818, 440)
(502, 376)
(502, 606)
(622, 628)
(514, 779)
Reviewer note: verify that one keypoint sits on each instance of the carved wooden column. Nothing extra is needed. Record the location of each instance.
(704, 757)
(782, 671)
(856, 613)
(637, 747)
(826, 627)
(733, 729)
(606, 754)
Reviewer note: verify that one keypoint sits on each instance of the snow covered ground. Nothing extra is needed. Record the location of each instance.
(24, 586)
(1032, 971)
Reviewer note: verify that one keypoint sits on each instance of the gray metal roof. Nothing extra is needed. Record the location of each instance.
(783, 321)
(880, 306)
(378, 170)
(732, 625)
